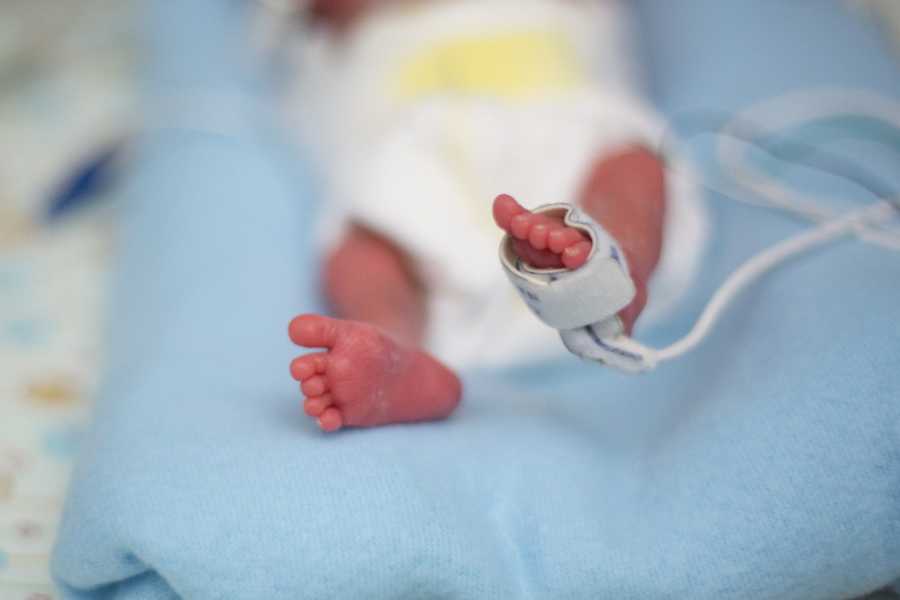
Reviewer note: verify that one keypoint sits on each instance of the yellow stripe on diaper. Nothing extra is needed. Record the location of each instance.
(510, 65)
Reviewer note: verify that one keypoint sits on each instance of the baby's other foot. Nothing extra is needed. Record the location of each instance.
(365, 378)
(540, 240)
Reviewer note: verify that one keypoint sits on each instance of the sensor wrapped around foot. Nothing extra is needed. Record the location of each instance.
(581, 303)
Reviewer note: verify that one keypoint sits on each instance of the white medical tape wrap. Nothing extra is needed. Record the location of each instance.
(582, 304)
(565, 299)
(605, 342)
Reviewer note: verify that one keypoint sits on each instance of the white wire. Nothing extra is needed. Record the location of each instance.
(776, 115)
(765, 261)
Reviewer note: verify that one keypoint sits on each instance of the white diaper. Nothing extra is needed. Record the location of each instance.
(424, 126)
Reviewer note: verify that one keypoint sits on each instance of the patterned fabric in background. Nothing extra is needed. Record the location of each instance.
(65, 73)
(52, 285)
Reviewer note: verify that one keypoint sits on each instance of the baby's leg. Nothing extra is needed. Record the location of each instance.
(371, 372)
(338, 14)
(367, 278)
(625, 193)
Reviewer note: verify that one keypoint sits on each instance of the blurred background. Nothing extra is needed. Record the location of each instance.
(66, 93)
(67, 100)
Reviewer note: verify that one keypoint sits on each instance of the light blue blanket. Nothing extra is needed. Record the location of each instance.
(765, 465)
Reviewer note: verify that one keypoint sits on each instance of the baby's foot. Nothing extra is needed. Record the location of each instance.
(365, 378)
(540, 240)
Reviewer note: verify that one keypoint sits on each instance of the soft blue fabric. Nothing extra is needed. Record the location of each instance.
(765, 465)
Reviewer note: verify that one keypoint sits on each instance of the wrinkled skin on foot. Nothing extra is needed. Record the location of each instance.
(365, 378)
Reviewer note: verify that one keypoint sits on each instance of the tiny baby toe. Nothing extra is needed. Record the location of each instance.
(314, 407)
(576, 255)
(313, 331)
(331, 420)
(504, 209)
(538, 235)
(560, 239)
(520, 226)
(314, 386)
(304, 367)
(301, 369)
